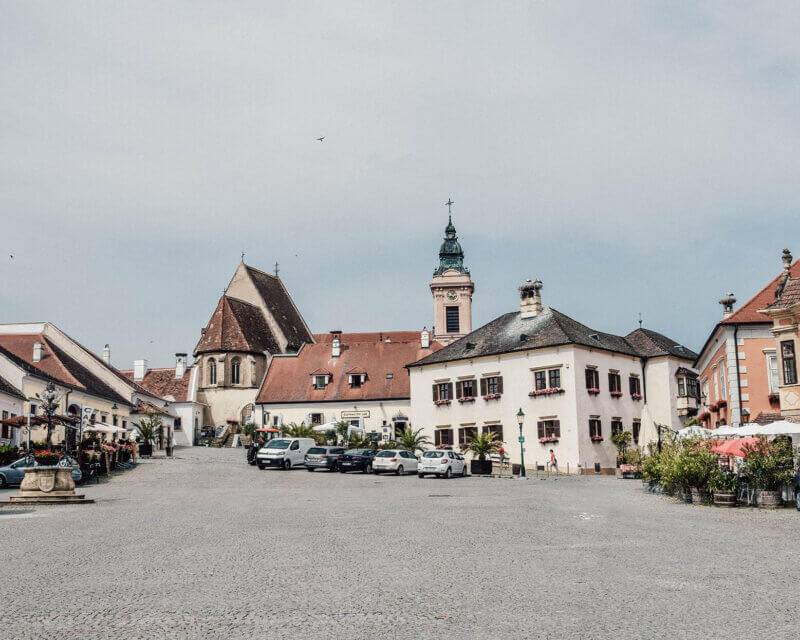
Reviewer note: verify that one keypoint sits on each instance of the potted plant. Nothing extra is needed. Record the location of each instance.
(482, 445)
(621, 440)
(725, 486)
(767, 467)
(149, 429)
(413, 440)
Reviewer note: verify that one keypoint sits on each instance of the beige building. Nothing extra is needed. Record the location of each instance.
(255, 319)
(452, 290)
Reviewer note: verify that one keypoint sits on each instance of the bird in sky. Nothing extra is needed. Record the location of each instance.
(321, 139)
(10, 256)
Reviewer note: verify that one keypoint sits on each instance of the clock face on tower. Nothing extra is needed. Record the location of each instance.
(452, 295)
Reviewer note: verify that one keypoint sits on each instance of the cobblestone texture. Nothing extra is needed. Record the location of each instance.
(206, 546)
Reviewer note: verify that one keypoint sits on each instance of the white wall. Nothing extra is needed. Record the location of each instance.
(572, 408)
(14, 408)
(379, 411)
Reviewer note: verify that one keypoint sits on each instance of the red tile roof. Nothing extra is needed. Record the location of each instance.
(749, 312)
(164, 384)
(55, 365)
(378, 354)
(237, 325)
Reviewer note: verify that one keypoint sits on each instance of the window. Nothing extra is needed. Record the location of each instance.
(555, 378)
(320, 382)
(465, 434)
(316, 419)
(540, 380)
(465, 388)
(789, 368)
(442, 391)
(637, 427)
(294, 446)
(236, 366)
(772, 372)
(595, 428)
(722, 391)
(491, 385)
(635, 386)
(451, 317)
(681, 387)
(692, 387)
(115, 420)
(614, 383)
(212, 371)
(549, 428)
(124, 424)
(496, 429)
(178, 424)
(34, 409)
(616, 426)
(592, 379)
(6, 433)
(443, 437)
(356, 380)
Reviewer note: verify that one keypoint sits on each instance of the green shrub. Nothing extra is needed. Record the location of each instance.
(768, 465)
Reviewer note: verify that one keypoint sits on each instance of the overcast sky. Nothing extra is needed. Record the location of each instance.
(637, 157)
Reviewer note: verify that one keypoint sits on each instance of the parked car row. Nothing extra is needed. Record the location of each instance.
(286, 453)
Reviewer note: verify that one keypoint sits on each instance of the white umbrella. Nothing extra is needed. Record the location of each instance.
(695, 432)
(727, 430)
(778, 428)
(99, 427)
(328, 426)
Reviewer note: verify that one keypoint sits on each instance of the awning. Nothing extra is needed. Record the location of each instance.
(695, 432)
(779, 428)
(99, 427)
(734, 447)
(328, 426)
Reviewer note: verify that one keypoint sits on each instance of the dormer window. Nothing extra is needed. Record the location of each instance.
(357, 380)
(320, 382)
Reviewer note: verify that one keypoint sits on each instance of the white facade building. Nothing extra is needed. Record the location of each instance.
(574, 385)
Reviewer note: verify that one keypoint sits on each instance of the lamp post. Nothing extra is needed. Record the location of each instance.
(520, 420)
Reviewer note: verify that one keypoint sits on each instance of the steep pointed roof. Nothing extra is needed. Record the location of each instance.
(652, 344)
(237, 325)
(451, 255)
(750, 312)
(279, 303)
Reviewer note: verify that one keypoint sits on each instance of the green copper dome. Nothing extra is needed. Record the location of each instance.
(451, 255)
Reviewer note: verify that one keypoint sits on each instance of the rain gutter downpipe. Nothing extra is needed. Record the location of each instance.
(738, 376)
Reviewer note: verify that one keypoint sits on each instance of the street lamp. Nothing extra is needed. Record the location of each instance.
(520, 420)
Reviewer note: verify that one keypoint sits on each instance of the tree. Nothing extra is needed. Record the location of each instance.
(150, 428)
(300, 430)
(249, 429)
(621, 440)
(483, 444)
(413, 441)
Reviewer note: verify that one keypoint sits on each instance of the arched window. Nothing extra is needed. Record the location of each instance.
(212, 371)
(236, 368)
(74, 410)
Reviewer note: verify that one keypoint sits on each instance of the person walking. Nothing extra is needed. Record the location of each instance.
(553, 463)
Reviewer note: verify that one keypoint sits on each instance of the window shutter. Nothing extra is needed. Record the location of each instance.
(450, 390)
(588, 378)
(483, 386)
(435, 392)
(540, 427)
(459, 389)
(499, 384)
(557, 428)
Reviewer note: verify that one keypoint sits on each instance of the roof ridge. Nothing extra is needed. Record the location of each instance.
(54, 350)
(247, 266)
(225, 295)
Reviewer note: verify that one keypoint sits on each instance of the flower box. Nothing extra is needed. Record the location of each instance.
(722, 404)
(546, 392)
(714, 408)
(548, 439)
(593, 392)
(439, 402)
(597, 438)
(492, 396)
(704, 416)
(467, 399)
(616, 394)
(636, 396)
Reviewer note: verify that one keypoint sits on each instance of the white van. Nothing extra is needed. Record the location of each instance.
(284, 453)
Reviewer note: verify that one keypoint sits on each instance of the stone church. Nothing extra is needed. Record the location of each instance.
(254, 320)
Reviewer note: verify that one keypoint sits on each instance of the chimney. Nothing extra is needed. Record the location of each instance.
(787, 260)
(38, 347)
(107, 355)
(425, 336)
(530, 303)
(727, 304)
(784, 277)
(336, 344)
(139, 369)
(180, 365)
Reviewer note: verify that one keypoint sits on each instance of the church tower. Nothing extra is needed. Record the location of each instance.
(452, 290)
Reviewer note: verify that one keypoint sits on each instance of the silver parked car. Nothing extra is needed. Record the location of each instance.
(323, 458)
(12, 474)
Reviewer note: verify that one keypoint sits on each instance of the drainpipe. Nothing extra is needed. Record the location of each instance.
(738, 375)
(644, 380)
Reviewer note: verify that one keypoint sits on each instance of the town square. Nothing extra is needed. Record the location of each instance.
(387, 319)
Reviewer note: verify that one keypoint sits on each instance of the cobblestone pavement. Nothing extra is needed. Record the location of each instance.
(206, 546)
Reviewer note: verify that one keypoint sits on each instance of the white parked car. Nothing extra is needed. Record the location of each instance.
(397, 461)
(284, 453)
(442, 462)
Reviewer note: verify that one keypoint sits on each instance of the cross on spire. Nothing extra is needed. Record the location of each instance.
(276, 270)
(449, 204)
(242, 256)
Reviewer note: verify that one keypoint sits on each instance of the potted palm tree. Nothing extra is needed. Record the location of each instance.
(482, 445)
(413, 440)
(149, 430)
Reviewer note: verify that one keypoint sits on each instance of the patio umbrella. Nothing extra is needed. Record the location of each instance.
(695, 432)
(727, 430)
(734, 447)
(328, 426)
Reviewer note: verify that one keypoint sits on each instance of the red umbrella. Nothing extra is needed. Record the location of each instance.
(734, 446)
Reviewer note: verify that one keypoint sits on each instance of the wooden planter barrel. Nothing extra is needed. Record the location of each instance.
(725, 498)
(699, 496)
(769, 499)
